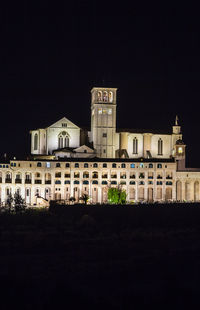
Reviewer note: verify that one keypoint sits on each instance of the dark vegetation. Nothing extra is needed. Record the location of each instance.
(101, 257)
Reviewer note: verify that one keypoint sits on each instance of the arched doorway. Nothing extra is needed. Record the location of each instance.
(178, 190)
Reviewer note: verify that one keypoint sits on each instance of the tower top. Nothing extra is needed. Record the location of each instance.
(104, 95)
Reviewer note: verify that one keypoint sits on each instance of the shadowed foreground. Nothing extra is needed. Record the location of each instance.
(101, 257)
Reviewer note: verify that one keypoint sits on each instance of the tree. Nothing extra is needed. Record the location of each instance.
(19, 203)
(9, 202)
(84, 198)
(116, 195)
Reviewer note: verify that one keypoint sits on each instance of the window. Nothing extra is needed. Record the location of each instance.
(63, 140)
(141, 165)
(135, 145)
(100, 111)
(150, 165)
(64, 124)
(104, 182)
(104, 135)
(159, 165)
(160, 147)
(57, 165)
(48, 165)
(67, 165)
(57, 182)
(110, 96)
(99, 95)
(114, 182)
(141, 183)
(180, 150)
(86, 165)
(76, 182)
(159, 182)
(39, 165)
(76, 165)
(123, 165)
(104, 165)
(35, 146)
(114, 165)
(94, 182)
(105, 96)
(95, 165)
(132, 182)
(67, 181)
(141, 176)
(85, 182)
(58, 175)
(132, 165)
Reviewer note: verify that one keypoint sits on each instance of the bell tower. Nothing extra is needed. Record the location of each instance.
(103, 121)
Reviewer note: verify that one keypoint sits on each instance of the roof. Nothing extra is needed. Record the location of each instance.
(136, 130)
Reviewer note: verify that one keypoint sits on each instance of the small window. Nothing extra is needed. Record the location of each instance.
(76, 182)
(39, 165)
(150, 165)
(67, 165)
(114, 165)
(85, 182)
(86, 165)
(95, 165)
(104, 135)
(76, 165)
(141, 183)
(57, 165)
(159, 165)
(123, 165)
(104, 182)
(100, 111)
(159, 182)
(64, 125)
(57, 182)
(30, 165)
(67, 181)
(48, 165)
(104, 165)
(141, 165)
(94, 182)
(132, 182)
(132, 165)
(114, 182)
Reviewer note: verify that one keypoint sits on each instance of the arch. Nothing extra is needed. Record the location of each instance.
(160, 146)
(110, 96)
(104, 194)
(94, 195)
(141, 193)
(47, 178)
(187, 191)
(150, 194)
(132, 194)
(85, 174)
(95, 175)
(28, 195)
(196, 191)
(105, 96)
(47, 193)
(159, 193)
(99, 95)
(168, 193)
(35, 144)
(179, 190)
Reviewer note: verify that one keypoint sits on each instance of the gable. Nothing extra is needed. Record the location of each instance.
(83, 149)
(64, 121)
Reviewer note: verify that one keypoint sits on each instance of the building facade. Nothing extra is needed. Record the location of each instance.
(68, 161)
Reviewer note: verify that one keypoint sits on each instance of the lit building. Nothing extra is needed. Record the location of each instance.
(68, 161)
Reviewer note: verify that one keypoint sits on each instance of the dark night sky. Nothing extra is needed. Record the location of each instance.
(52, 54)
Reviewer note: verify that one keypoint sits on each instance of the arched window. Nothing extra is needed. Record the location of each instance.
(63, 140)
(99, 95)
(35, 142)
(135, 145)
(105, 96)
(110, 96)
(160, 146)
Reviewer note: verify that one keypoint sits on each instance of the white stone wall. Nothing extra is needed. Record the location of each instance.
(142, 178)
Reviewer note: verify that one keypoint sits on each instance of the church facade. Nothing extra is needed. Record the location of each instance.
(68, 161)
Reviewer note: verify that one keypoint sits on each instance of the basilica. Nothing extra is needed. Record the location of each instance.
(68, 161)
